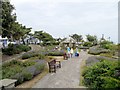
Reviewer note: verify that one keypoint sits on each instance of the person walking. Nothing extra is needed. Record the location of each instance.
(68, 52)
(71, 52)
(77, 52)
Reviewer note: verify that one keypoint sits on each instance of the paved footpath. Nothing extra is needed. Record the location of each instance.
(68, 76)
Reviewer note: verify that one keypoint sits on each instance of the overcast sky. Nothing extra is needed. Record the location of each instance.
(61, 18)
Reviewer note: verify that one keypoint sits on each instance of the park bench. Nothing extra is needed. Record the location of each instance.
(53, 65)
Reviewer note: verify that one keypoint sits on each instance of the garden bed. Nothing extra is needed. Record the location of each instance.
(23, 71)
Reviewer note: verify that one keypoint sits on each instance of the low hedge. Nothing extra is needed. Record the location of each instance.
(33, 54)
(8, 70)
(15, 49)
(97, 50)
(22, 71)
(55, 53)
(28, 73)
(104, 74)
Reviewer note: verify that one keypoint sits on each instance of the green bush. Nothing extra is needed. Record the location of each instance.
(15, 49)
(41, 56)
(32, 54)
(8, 70)
(87, 44)
(55, 53)
(40, 67)
(102, 75)
(27, 76)
(22, 71)
(19, 77)
(28, 63)
(97, 50)
(26, 56)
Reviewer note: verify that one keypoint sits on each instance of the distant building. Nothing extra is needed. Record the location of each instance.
(31, 40)
(3, 42)
(68, 42)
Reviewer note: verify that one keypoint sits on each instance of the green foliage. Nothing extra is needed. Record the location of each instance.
(27, 76)
(40, 67)
(26, 56)
(55, 53)
(8, 17)
(102, 75)
(43, 36)
(33, 54)
(15, 49)
(77, 37)
(10, 27)
(41, 56)
(91, 38)
(22, 71)
(110, 46)
(106, 44)
(87, 44)
(8, 70)
(19, 78)
(27, 63)
(97, 50)
(23, 47)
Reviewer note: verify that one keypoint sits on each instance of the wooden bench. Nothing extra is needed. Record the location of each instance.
(53, 64)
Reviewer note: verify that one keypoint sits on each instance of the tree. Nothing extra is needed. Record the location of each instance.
(8, 18)
(24, 32)
(10, 27)
(92, 39)
(77, 37)
(43, 36)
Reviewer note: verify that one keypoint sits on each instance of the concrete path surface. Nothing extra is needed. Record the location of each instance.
(68, 76)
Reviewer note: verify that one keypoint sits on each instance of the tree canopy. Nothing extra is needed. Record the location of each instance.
(8, 18)
(43, 36)
(77, 37)
(10, 27)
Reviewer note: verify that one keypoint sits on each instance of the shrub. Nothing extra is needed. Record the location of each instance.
(22, 71)
(28, 63)
(97, 50)
(10, 71)
(26, 56)
(102, 75)
(19, 77)
(27, 75)
(38, 69)
(56, 53)
(32, 54)
(15, 49)
(87, 44)
(41, 56)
